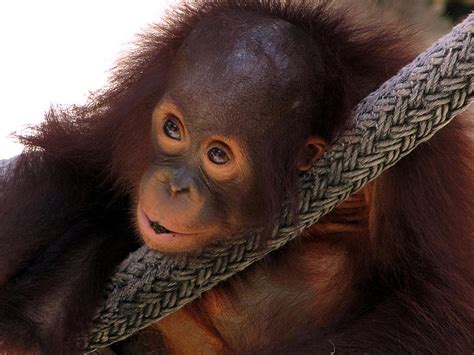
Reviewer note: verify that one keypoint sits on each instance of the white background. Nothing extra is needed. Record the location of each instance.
(56, 52)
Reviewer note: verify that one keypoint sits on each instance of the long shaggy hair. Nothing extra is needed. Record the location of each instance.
(66, 204)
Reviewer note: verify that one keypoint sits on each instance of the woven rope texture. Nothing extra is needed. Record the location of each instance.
(404, 112)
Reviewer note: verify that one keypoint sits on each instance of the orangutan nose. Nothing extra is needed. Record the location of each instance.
(180, 182)
(175, 189)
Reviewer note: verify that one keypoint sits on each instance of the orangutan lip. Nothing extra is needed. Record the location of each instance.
(158, 228)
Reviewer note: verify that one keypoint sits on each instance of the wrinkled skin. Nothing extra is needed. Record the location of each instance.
(211, 173)
(202, 134)
(222, 95)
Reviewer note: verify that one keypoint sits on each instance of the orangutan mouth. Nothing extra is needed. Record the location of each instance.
(158, 228)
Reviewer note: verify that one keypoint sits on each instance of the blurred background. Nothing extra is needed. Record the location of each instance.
(58, 52)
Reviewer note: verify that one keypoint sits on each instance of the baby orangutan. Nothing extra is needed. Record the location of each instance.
(202, 134)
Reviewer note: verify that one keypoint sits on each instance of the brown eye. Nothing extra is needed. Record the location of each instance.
(171, 129)
(217, 156)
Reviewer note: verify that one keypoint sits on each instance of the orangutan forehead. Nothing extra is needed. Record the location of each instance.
(244, 44)
(239, 58)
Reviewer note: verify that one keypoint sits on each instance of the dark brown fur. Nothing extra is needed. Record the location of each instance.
(387, 273)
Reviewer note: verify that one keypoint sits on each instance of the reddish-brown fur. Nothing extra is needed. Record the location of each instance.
(390, 271)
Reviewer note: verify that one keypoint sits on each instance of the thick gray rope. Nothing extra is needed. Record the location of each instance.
(404, 112)
(4, 164)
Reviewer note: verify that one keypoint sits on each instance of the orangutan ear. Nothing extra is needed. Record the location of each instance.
(313, 150)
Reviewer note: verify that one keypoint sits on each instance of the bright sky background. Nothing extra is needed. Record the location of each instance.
(54, 51)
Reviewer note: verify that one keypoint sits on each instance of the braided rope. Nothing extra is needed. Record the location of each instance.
(5, 164)
(404, 112)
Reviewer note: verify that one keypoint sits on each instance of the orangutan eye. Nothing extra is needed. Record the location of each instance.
(171, 129)
(217, 156)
